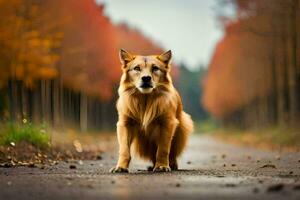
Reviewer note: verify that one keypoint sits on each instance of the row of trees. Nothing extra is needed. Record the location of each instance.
(188, 86)
(254, 75)
(59, 62)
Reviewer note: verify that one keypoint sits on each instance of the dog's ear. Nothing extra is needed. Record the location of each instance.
(165, 57)
(125, 57)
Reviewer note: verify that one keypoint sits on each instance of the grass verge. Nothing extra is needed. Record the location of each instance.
(266, 138)
(36, 135)
(205, 126)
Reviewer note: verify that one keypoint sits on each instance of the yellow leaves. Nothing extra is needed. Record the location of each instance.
(47, 43)
(30, 72)
(33, 43)
(47, 60)
(29, 46)
(32, 34)
(59, 35)
(47, 72)
(19, 72)
(34, 9)
(35, 40)
(55, 58)
(31, 67)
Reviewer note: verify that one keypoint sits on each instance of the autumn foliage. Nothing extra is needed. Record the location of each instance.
(253, 78)
(59, 60)
(88, 48)
(26, 44)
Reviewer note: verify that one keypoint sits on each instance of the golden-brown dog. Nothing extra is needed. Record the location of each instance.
(151, 118)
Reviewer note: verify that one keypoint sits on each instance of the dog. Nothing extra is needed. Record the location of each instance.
(151, 120)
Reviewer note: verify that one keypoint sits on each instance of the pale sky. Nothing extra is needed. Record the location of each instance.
(188, 27)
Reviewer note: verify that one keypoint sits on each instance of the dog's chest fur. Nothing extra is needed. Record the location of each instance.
(144, 109)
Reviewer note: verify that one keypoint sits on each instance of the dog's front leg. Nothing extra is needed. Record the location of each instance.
(164, 145)
(124, 140)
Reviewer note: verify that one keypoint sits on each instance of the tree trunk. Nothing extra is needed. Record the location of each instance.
(292, 68)
(83, 112)
(56, 103)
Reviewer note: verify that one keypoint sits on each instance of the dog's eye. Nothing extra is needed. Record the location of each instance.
(155, 68)
(137, 68)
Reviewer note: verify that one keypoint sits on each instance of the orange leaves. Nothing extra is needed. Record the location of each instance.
(19, 72)
(89, 61)
(36, 59)
(70, 39)
(28, 50)
(239, 71)
(47, 72)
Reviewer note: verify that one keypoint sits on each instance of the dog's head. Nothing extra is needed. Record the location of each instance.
(146, 73)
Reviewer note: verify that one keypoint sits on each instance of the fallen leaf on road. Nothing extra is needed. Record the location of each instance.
(268, 166)
(230, 185)
(31, 165)
(72, 167)
(6, 165)
(77, 146)
(276, 188)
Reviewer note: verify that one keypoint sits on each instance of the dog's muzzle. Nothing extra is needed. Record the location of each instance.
(145, 85)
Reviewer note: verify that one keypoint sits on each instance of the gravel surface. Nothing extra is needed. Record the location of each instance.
(209, 169)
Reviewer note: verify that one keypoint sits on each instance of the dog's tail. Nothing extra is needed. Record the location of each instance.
(185, 127)
(186, 123)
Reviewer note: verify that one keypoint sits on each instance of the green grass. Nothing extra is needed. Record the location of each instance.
(205, 126)
(27, 132)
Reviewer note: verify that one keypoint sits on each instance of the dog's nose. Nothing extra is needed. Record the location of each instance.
(146, 78)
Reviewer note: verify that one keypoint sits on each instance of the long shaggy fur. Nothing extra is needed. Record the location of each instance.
(151, 120)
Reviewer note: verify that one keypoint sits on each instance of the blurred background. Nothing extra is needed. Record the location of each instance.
(236, 62)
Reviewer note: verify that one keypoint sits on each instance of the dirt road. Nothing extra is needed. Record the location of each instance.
(210, 169)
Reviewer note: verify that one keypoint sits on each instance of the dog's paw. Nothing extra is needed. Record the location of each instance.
(118, 170)
(162, 169)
